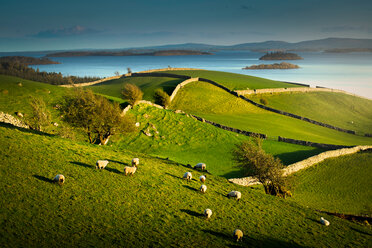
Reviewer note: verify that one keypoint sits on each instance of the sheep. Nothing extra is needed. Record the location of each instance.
(203, 188)
(202, 178)
(101, 164)
(130, 170)
(135, 162)
(238, 235)
(324, 221)
(187, 176)
(201, 166)
(60, 179)
(207, 213)
(235, 194)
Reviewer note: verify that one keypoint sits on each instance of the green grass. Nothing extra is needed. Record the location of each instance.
(215, 104)
(342, 185)
(338, 109)
(188, 141)
(147, 84)
(235, 81)
(152, 208)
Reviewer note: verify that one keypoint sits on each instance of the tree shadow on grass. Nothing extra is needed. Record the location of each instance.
(45, 179)
(7, 125)
(82, 164)
(192, 213)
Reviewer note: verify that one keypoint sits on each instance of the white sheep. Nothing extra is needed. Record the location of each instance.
(187, 176)
(60, 179)
(238, 234)
(324, 221)
(203, 188)
(201, 166)
(235, 194)
(207, 213)
(101, 164)
(135, 162)
(130, 170)
(202, 178)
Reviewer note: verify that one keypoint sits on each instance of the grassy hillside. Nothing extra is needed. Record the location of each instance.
(147, 84)
(342, 185)
(152, 208)
(346, 111)
(188, 141)
(219, 106)
(235, 81)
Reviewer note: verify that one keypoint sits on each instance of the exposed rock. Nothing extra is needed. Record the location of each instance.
(7, 118)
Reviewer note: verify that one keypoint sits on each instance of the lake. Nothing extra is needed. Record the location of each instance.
(350, 72)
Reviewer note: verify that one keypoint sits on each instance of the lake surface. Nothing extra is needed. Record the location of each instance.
(350, 72)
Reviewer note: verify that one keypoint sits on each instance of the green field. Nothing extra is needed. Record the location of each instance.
(235, 81)
(152, 208)
(338, 109)
(341, 185)
(219, 106)
(147, 84)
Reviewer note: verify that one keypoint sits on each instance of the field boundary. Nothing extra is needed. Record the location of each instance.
(89, 83)
(294, 89)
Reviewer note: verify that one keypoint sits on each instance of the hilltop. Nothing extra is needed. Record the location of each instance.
(280, 56)
(127, 53)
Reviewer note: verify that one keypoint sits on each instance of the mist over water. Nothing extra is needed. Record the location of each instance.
(350, 72)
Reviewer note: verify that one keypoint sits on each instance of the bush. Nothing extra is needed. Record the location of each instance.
(40, 116)
(132, 93)
(162, 98)
(263, 101)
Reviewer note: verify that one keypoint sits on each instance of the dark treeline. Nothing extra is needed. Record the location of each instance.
(18, 69)
(280, 56)
(27, 60)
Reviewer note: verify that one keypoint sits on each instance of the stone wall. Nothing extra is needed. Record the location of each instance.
(7, 118)
(90, 83)
(294, 89)
(308, 143)
(179, 86)
(304, 164)
(170, 69)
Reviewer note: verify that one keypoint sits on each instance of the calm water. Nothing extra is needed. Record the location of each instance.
(349, 72)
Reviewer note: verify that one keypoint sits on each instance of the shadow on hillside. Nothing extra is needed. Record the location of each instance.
(293, 157)
(113, 170)
(233, 174)
(218, 234)
(42, 178)
(190, 188)
(82, 164)
(173, 175)
(119, 162)
(192, 213)
(7, 125)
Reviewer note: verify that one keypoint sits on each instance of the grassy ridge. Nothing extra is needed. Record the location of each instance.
(342, 110)
(153, 208)
(147, 84)
(342, 185)
(221, 107)
(188, 141)
(235, 81)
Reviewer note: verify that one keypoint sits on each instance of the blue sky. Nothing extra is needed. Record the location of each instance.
(72, 24)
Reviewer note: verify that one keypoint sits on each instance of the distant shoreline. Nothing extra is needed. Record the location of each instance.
(280, 56)
(281, 66)
(127, 53)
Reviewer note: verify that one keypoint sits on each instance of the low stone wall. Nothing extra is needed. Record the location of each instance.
(90, 83)
(304, 164)
(308, 143)
(170, 69)
(281, 90)
(159, 74)
(179, 86)
(150, 103)
(7, 118)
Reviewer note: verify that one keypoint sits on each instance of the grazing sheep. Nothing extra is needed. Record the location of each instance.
(207, 213)
(201, 166)
(60, 179)
(238, 235)
(101, 164)
(187, 176)
(202, 178)
(203, 188)
(324, 221)
(235, 194)
(135, 162)
(130, 170)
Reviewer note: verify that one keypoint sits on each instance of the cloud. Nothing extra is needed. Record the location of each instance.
(345, 28)
(65, 32)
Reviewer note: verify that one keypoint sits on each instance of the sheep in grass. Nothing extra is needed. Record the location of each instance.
(101, 164)
(130, 170)
(235, 194)
(187, 176)
(324, 221)
(135, 162)
(203, 188)
(207, 213)
(238, 235)
(202, 178)
(200, 166)
(60, 179)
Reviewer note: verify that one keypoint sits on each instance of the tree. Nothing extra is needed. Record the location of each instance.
(132, 93)
(40, 117)
(250, 156)
(117, 73)
(95, 115)
(161, 98)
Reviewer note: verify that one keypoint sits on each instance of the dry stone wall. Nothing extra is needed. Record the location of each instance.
(309, 143)
(281, 90)
(90, 83)
(7, 118)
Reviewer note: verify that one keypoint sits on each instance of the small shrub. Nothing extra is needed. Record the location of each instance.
(40, 117)
(132, 93)
(162, 98)
(263, 101)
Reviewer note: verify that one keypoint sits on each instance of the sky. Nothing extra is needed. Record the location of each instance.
(106, 24)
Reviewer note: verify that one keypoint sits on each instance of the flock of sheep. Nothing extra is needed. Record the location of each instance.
(130, 170)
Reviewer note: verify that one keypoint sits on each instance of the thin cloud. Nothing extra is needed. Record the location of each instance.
(66, 32)
(345, 28)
